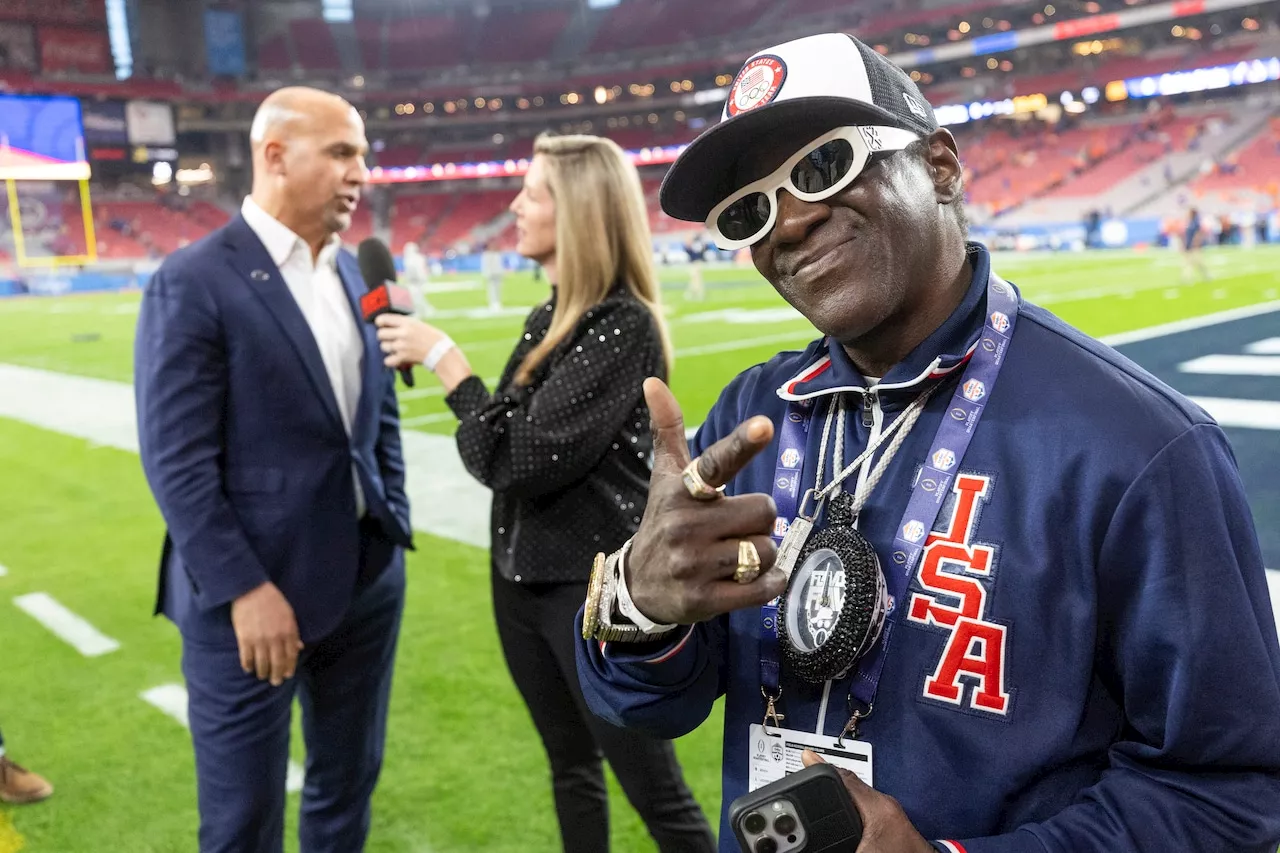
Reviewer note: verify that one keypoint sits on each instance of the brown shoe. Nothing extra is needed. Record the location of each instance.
(20, 786)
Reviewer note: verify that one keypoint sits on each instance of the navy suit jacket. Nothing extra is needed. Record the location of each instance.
(244, 448)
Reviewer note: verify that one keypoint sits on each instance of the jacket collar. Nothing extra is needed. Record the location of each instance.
(945, 351)
(250, 257)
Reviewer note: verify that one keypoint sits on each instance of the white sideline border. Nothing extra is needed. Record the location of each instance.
(72, 629)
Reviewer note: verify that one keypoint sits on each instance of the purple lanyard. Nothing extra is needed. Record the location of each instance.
(945, 454)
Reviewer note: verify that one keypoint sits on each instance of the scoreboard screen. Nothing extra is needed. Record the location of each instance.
(41, 139)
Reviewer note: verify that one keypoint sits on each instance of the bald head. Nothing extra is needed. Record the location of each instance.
(308, 160)
(294, 109)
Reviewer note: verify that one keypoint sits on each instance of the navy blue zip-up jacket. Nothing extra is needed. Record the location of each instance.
(1087, 657)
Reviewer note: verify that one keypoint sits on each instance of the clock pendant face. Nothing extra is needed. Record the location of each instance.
(817, 599)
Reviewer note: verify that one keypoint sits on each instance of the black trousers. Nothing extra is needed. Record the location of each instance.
(535, 624)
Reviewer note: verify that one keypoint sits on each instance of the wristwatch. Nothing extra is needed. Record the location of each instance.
(599, 619)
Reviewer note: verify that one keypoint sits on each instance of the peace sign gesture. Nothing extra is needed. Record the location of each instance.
(684, 556)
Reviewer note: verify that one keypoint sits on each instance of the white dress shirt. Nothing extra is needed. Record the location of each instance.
(320, 295)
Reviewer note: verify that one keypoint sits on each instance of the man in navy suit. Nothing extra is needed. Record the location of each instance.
(270, 437)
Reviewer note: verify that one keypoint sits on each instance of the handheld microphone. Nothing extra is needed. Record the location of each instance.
(385, 296)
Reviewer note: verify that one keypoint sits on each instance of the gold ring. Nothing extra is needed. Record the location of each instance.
(697, 487)
(748, 562)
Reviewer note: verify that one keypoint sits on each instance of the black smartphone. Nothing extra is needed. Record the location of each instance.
(809, 811)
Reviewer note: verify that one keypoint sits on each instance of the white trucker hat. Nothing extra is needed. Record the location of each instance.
(831, 77)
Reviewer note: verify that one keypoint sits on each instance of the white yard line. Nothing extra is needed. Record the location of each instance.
(1270, 346)
(1242, 414)
(171, 700)
(1166, 329)
(73, 630)
(1230, 364)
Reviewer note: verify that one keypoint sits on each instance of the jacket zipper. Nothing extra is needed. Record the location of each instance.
(873, 419)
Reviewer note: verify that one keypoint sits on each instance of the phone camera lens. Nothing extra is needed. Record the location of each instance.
(766, 845)
(755, 823)
(785, 825)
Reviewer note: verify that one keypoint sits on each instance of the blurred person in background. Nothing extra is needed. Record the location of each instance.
(565, 445)
(18, 785)
(1194, 237)
(492, 272)
(416, 276)
(270, 436)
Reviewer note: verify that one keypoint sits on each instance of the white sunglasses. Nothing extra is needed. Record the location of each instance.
(819, 170)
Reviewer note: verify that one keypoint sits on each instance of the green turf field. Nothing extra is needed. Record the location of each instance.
(465, 771)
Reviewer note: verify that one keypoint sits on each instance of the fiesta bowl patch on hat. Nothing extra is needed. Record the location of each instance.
(757, 84)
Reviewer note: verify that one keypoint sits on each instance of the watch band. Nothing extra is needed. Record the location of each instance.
(597, 618)
(627, 607)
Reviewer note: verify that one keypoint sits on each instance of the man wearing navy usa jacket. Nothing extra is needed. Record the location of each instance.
(1031, 610)
(270, 436)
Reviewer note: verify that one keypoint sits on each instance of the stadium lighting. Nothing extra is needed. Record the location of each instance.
(964, 27)
(201, 175)
(1090, 94)
(119, 38)
(336, 10)
(161, 173)
(601, 94)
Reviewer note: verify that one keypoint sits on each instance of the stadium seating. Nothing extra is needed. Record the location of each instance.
(469, 211)
(429, 42)
(1145, 145)
(273, 53)
(1247, 178)
(371, 36)
(1038, 161)
(159, 229)
(521, 36)
(314, 45)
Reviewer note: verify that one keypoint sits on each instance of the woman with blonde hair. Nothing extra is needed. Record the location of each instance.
(565, 444)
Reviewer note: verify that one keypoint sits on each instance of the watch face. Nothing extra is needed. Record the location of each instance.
(815, 599)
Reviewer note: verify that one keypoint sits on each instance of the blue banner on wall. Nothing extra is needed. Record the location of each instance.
(224, 43)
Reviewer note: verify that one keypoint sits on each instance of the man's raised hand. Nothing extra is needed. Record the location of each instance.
(683, 557)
